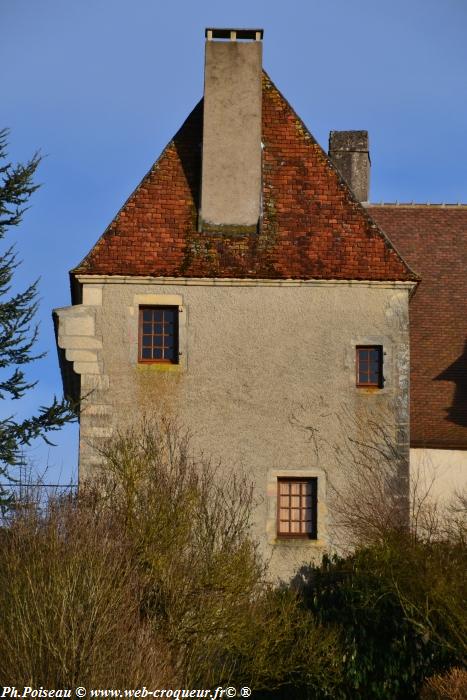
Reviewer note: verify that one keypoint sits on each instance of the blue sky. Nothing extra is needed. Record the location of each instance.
(100, 86)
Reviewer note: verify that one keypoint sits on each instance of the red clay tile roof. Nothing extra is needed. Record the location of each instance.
(312, 226)
(433, 239)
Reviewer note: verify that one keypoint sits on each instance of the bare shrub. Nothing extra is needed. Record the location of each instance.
(69, 601)
(151, 578)
(369, 489)
(448, 686)
(206, 589)
(455, 519)
(370, 493)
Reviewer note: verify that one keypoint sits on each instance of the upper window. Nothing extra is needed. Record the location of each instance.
(297, 507)
(370, 365)
(158, 334)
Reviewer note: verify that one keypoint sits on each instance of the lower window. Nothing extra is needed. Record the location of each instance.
(158, 334)
(297, 501)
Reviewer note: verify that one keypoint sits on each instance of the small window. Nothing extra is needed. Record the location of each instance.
(297, 508)
(370, 365)
(158, 334)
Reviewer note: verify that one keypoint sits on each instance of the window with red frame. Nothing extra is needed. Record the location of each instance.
(158, 334)
(370, 365)
(297, 507)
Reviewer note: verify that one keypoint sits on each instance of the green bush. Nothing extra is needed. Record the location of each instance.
(400, 608)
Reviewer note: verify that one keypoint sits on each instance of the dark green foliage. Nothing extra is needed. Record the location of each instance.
(18, 332)
(400, 610)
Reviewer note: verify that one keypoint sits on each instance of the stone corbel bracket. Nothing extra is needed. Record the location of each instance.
(79, 348)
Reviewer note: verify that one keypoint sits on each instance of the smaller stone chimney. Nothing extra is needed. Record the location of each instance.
(349, 152)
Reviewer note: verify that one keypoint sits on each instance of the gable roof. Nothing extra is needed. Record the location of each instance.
(433, 239)
(312, 226)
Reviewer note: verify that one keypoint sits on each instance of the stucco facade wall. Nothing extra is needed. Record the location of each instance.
(442, 473)
(266, 380)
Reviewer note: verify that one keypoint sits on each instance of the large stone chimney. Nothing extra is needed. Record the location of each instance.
(349, 152)
(231, 165)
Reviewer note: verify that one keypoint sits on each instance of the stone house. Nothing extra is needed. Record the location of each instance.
(248, 288)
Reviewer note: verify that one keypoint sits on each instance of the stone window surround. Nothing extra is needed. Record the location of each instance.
(154, 325)
(307, 491)
(386, 357)
(140, 300)
(363, 377)
(273, 475)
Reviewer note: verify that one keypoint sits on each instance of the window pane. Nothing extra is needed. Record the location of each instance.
(147, 341)
(295, 488)
(374, 378)
(283, 487)
(147, 315)
(147, 354)
(284, 501)
(295, 501)
(157, 353)
(284, 527)
(295, 527)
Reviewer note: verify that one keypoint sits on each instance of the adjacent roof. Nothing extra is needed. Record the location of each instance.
(433, 239)
(312, 226)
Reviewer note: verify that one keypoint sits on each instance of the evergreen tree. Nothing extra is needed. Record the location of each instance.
(18, 332)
